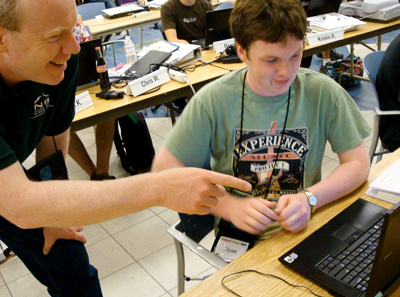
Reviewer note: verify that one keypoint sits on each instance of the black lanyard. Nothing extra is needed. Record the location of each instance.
(235, 173)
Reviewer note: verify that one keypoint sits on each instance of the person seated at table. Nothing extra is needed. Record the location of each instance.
(184, 20)
(104, 133)
(387, 87)
(269, 124)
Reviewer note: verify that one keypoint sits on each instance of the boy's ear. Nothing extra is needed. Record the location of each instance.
(241, 52)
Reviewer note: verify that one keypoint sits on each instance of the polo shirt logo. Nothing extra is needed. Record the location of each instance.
(189, 20)
(40, 105)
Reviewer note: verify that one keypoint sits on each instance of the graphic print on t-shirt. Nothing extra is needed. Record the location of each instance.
(258, 162)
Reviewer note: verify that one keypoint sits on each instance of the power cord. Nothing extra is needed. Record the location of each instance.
(190, 85)
(263, 274)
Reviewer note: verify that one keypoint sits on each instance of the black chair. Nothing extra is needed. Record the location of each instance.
(372, 62)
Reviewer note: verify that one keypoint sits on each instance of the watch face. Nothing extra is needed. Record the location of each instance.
(313, 200)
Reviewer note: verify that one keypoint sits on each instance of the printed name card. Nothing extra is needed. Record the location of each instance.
(325, 37)
(148, 82)
(220, 46)
(82, 101)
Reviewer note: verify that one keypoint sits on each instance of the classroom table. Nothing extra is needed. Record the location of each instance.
(103, 26)
(264, 257)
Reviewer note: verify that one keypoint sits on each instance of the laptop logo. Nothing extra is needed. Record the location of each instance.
(291, 257)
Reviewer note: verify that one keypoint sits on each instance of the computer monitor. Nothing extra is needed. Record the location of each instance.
(87, 74)
(217, 26)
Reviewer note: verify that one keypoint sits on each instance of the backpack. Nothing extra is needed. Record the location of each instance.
(335, 68)
(133, 143)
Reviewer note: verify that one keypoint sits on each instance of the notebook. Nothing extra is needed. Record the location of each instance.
(217, 27)
(145, 64)
(123, 10)
(362, 228)
(87, 74)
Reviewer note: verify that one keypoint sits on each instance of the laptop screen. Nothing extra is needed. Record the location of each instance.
(217, 25)
(87, 74)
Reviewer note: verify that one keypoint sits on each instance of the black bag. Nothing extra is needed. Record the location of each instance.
(133, 143)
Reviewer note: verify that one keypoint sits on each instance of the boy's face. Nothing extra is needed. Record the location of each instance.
(272, 67)
(40, 50)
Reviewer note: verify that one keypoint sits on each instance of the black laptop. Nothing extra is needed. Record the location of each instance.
(357, 253)
(87, 74)
(150, 62)
(217, 27)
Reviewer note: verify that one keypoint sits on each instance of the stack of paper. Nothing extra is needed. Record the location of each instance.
(332, 21)
(387, 185)
(185, 54)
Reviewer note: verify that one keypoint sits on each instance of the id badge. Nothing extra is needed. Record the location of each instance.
(51, 168)
(231, 242)
(228, 249)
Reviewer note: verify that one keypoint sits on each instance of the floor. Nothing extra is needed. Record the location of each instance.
(134, 254)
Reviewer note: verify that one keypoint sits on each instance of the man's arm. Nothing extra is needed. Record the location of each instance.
(172, 36)
(77, 203)
(294, 210)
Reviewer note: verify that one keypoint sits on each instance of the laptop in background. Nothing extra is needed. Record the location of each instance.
(124, 10)
(357, 253)
(217, 27)
(87, 74)
(148, 63)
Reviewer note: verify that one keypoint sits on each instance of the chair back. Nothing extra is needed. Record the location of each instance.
(371, 65)
(159, 26)
(89, 10)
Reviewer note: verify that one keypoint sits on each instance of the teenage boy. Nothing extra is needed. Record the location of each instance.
(269, 123)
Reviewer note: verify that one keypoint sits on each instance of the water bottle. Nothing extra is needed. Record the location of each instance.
(130, 51)
(101, 67)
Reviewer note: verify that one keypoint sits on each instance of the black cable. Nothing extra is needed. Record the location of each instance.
(263, 274)
(149, 92)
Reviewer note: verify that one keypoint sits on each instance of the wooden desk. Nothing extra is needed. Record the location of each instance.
(363, 32)
(105, 110)
(103, 27)
(264, 257)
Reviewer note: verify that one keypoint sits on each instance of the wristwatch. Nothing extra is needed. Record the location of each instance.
(312, 199)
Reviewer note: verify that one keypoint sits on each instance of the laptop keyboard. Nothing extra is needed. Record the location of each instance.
(353, 265)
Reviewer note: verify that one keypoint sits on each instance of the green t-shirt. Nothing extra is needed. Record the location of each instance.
(319, 111)
(31, 110)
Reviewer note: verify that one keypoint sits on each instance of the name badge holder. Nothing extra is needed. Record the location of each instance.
(231, 242)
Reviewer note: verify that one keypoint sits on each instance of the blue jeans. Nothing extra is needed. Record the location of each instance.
(109, 3)
(65, 271)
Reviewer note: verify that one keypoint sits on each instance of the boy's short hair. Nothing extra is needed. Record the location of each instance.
(271, 21)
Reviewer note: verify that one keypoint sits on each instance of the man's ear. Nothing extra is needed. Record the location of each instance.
(3, 34)
(241, 52)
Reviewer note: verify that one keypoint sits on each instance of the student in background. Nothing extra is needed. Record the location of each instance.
(269, 123)
(184, 20)
(39, 221)
(387, 87)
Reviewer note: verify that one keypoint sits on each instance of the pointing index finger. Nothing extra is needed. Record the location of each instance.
(229, 181)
